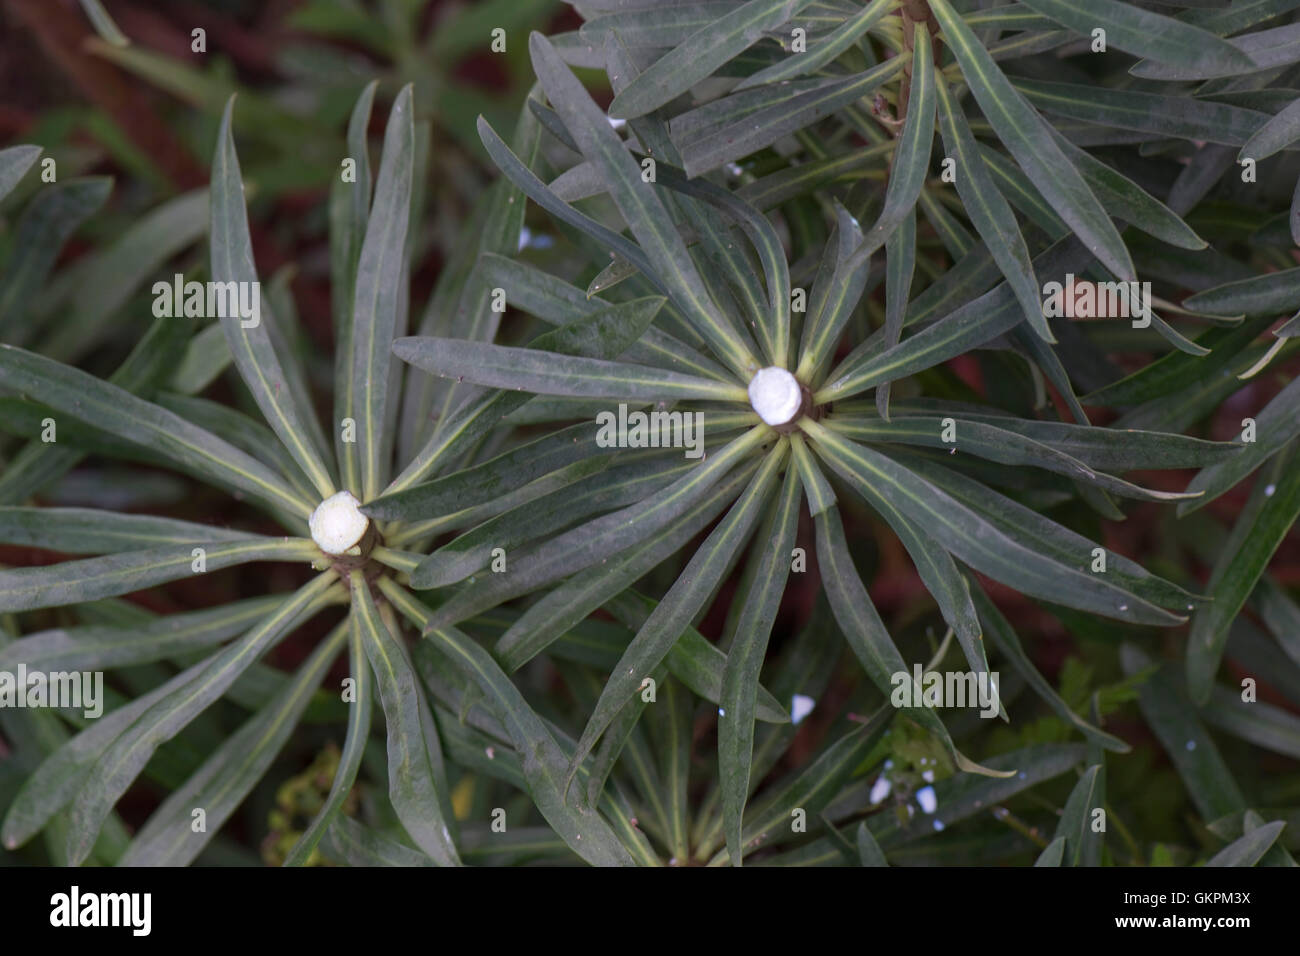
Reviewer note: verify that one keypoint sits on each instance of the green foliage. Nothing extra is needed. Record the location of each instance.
(587, 646)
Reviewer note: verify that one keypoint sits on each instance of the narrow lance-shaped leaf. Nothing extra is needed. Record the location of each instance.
(745, 659)
(122, 762)
(581, 827)
(701, 54)
(92, 531)
(1269, 514)
(225, 779)
(833, 299)
(824, 51)
(289, 415)
(549, 373)
(412, 738)
(978, 542)
(1146, 33)
(45, 226)
(642, 209)
(14, 163)
(74, 582)
(99, 647)
(354, 746)
(1210, 785)
(900, 267)
(911, 156)
(378, 291)
(349, 212)
(1027, 137)
(989, 211)
(1249, 848)
(693, 587)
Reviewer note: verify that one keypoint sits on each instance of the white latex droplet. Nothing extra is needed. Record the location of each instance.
(337, 524)
(775, 395)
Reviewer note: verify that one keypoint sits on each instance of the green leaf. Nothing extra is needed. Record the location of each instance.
(354, 747)
(14, 163)
(701, 54)
(48, 222)
(73, 582)
(491, 479)
(66, 771)
(693, 660)
(1262, 724)
(289, 415)
(1144, 33)
(103, 282)
(549, 373)
(1270, 512)
(962, 330)
(347, 841)
(124, 759)
(99, 648)
(226, 777)
(1003, 637)
(859, 621)
(103, 23)
(822, 52)
(1275, 426)
(595, 493)
(783, 115)
(569, 602)
(543, 761)
(416, 783)
(834, 299)
(673, 615)
(1052, 854)
(994, 444)
(1177, 117)
(641, 207)
(814, 787)
(745, 659)
(380, 275)
(1029, 139)
(869, 852)
(597, 540)
(1082, 842)
(1270, 293)
(1277, 134)
(977, 541)
(1164, 704)
(91, 531)
(349, 212)
(1247, 850)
